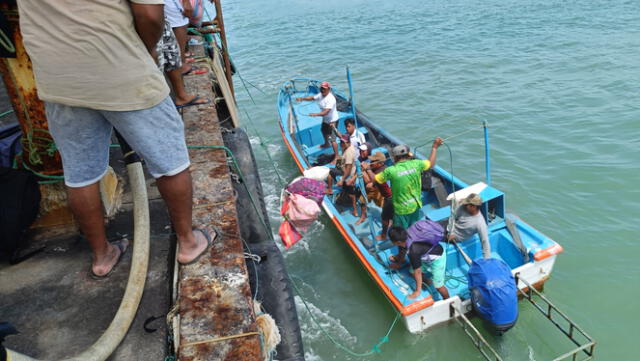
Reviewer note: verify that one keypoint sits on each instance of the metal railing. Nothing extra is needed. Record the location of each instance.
(587, 347)
(478, 341)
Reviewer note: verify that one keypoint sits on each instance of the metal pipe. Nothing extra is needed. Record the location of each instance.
(486, 151)
(353, 101)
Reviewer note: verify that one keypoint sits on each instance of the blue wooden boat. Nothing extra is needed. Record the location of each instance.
(529, 253)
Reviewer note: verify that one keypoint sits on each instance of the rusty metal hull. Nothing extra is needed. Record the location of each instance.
(217, 321)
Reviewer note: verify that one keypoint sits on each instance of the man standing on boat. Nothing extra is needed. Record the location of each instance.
(94, 71)
(375, 190)
(329, 113)
(422, 242)
(406, 183)
(349, 177)
(468, 221)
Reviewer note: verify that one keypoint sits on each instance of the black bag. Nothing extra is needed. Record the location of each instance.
(19, 205)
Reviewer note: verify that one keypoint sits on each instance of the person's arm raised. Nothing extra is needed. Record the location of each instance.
(434, 149)
(149, 22)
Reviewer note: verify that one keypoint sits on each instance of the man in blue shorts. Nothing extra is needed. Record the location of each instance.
(94, 71)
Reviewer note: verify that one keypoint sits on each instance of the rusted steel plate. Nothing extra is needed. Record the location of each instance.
(17, 74)
(214, 295)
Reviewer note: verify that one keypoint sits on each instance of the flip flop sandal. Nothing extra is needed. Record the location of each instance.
(195, 71)
(209, 243)
(122, 245)
(193, 102)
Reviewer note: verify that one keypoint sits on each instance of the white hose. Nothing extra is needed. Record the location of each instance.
(111, 338)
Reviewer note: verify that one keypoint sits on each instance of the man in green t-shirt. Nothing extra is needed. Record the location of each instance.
(406, 183)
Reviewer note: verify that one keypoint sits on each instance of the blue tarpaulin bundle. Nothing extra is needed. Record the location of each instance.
(493, 293)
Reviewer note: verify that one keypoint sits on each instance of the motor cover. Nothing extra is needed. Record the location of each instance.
(493, 293)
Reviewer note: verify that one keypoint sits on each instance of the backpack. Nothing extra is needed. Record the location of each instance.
(19, 205)
(9, 144)
(425, 231)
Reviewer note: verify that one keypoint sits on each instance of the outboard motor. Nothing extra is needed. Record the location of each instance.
(493, 293)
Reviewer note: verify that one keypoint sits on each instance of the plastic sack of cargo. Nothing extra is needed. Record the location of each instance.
(308, 187)
(302, 212)
(320, 173)
(288, 234)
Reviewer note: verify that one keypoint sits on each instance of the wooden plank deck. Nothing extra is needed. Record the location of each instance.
(214, 296)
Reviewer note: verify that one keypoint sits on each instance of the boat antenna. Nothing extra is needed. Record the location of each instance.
(351, 99)
(487, 163)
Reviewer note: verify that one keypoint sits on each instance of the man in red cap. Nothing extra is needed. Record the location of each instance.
(329, 114)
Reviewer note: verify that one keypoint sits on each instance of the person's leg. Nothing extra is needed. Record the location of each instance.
(386, 217)
(363, 209)
(326, 134)
(354, 211)
(170, 61)
(334, 145)
(437, 269)
(181, 37)
(159, 139)
(86, 207)
(182, 97)
(177, 192)
(82, 136)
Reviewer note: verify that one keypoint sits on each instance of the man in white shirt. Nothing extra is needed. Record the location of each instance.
(356, 137)
(329, 114)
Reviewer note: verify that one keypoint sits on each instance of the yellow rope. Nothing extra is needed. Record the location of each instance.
(212, 340)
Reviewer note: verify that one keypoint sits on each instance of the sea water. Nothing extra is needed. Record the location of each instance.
(559, 84)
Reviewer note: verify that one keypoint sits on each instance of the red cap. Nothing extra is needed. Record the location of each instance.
(325, 84)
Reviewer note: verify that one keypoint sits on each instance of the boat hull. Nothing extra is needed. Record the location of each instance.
(428, 310)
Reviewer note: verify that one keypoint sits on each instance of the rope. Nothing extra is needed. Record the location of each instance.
(375, 349)
(218, 339)
(263, 145)
(6, 113)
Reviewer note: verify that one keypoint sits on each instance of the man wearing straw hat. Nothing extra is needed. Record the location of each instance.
(468, 221)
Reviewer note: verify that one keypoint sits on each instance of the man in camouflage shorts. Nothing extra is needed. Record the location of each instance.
(169, 61)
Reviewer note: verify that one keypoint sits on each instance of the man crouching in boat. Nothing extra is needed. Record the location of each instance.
(422, 241)
(348, 180)
(329, 114)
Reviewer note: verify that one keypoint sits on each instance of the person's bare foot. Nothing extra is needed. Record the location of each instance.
(381, 237)
(188, 250)
(105, 264)
(354, 212)
(329, 192)
(362, 219)
(325, 145)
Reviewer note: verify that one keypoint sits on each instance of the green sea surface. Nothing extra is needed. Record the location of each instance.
(559, 84)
